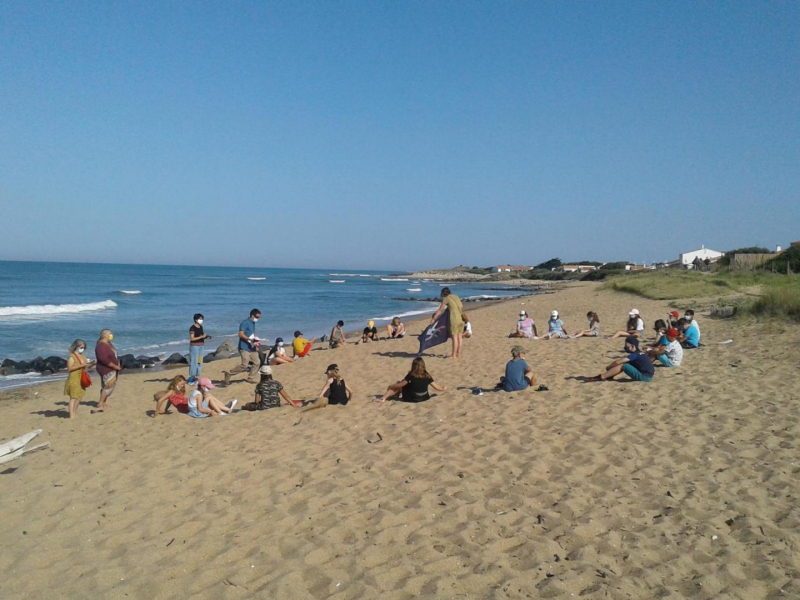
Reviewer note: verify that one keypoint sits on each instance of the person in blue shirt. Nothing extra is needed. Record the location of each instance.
(690, 336)
(248, 348)
(637, 365)
(555, 327)
(519, 375)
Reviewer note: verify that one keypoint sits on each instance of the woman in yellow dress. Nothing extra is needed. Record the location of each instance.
(76, 364)
(452, 303)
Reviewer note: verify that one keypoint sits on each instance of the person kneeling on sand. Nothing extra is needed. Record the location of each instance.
(519, 375)
(203, 404)
(173, 396)
(594, 327)
(396, 329)
(414, 387)
(668, 350)
(634, 327)
(555, 327)
(268, 393)
(526, 328)
(300, 345)
(277, 354)
(637, 365)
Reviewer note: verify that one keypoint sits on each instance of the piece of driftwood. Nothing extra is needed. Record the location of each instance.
(723, 312)
(15, 448)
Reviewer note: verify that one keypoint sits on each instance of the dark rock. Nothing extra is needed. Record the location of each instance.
(176, 359)
(148, 361)
(225, 349)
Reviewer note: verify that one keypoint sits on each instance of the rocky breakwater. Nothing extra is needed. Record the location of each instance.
(55, 364)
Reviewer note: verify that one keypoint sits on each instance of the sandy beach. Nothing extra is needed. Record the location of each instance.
(686, 487)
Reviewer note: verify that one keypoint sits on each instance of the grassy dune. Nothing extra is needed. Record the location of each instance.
(766, 293)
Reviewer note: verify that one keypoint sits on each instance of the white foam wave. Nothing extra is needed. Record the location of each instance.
(46, 310)
(257, 278)
(130, 292)
(411, 313)
(349, 275)
(483, 297)
(156, 346)
(393, 279)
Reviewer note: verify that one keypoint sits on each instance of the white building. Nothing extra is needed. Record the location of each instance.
(687, 258)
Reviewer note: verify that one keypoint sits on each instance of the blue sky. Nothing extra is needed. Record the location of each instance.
(396, 135)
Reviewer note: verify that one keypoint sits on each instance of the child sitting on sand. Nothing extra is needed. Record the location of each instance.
(337, 335)
(277, 354)
(635, 326)
(636, 365)
(202, 404)
(336, 391)
(173, 396)
(300, 345)
(555, 327)
(690, 336)
(370, 333)
(414, 386)
(594, 327)
(688, 314)
(526, 328)
(396, 329)
(268, 392)
(660, 329)
(519, 375)
(668, 350)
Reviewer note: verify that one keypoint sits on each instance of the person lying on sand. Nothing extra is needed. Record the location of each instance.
(668, 350)
(519, 375)
(594, 327)
(173, 396)
(396, 329)
(637, 365)
(202, 404)
(635, 326)
(268, 393)
(526, 327)
(414, 387)
(555, 327)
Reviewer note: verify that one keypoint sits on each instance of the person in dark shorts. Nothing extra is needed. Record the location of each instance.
(637, 365)
(414, 387)
(268, 393)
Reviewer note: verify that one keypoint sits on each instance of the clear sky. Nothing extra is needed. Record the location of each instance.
(396, 135)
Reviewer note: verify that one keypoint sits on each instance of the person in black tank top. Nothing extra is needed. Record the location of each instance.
(336, 391)
(414, 386)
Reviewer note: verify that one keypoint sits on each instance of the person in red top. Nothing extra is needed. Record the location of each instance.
(107, 367)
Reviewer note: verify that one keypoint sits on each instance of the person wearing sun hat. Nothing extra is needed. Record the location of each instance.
(555, 327)
(526, 327)
(637, 365)
(202, 404)
(634, 327)
(268, 393)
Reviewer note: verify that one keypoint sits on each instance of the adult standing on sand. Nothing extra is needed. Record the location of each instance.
(108, 367)
(452, 303)
(197, 339)
(248, 348)
(76, 366)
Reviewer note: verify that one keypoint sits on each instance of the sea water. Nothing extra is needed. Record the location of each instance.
(45, 306)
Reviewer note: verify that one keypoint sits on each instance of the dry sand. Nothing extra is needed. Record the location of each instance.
(686, 487)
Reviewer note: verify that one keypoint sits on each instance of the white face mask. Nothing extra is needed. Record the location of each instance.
(199, 321)
(687, 317)
(81, 350)
(280, 344)
(255, 319)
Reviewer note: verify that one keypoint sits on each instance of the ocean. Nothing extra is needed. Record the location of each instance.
(44, 306)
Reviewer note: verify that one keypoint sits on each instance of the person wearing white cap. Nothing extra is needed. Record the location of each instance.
(555, 327)
(526, 327)
(634, 327)
(268, 392)
(203, 404)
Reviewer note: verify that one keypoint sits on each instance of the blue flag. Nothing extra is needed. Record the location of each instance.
(435, 333)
